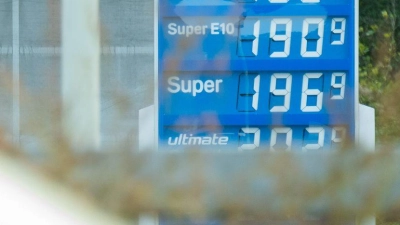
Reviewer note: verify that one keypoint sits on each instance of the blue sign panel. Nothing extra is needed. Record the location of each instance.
(256, 74)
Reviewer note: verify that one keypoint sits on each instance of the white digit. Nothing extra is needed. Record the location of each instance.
(321, 135)
(222, 26)
(340, 85)
(274, 137)
(245, 93)
(278, 1)
(340, 30)
(335, 137)
(304, 42)
(311, 92)
(256, 34)
(254, 102)
(281, 37)
(310, 1)
(246, 37)
(230, 28)
(281, 92)
(256, 142)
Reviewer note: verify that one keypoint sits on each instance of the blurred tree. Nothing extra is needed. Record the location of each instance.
(380, 67)
(380, 64)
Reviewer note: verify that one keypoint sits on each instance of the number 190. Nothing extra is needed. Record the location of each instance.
(248, 43)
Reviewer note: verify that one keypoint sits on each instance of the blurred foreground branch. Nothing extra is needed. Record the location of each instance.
(258, 185)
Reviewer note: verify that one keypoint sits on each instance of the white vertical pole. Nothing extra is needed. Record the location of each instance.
(366, 121)
(80, 73)
(147, 134)
(148, 121)
(16, 95)
(156, 100)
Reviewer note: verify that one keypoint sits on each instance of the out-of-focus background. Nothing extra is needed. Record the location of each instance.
(118, 180)
(126, 65)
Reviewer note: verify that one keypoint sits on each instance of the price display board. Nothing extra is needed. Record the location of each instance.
(273, 75)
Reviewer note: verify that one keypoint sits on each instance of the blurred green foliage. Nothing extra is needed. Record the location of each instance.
(379, 67)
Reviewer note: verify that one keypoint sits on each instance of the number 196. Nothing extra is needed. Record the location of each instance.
(249, 88)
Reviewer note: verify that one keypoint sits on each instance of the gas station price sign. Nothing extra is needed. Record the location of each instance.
(256, 74)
